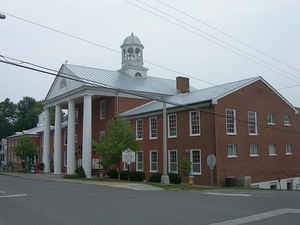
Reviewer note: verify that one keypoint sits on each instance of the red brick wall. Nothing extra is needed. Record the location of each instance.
(259, 98)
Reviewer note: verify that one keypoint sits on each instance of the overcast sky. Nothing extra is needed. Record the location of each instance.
(271, 26)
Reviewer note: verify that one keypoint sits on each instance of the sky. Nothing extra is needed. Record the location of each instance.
(270, 26)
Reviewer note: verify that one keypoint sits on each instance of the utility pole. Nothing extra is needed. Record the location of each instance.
(165, 178)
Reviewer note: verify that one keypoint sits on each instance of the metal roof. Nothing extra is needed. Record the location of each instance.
(119, 79)
(208, 94)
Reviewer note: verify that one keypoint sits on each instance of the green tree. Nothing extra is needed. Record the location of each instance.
(25, 148)
(28, 110)
(184, 166)
(120, 136)
(7, 118)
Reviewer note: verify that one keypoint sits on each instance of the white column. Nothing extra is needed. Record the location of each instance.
(165, 178)
(87, 135)
(71, 138)
(46, 143)
(57, 140)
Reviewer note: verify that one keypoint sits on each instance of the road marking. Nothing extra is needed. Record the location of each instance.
(227, 194)
(13, 196)
(257, 217)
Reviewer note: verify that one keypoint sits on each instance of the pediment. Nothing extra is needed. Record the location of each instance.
(62, 85)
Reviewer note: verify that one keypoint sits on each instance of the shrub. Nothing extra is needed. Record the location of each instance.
(80, 172)
(41, 166)
(113, 173)
(155, 177)
(174, 178)
(137, 176)
(124, 175)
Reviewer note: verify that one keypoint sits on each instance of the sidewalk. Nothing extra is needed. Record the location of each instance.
(59, 178)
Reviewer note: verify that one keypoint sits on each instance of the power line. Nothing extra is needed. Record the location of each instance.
(209, 37)
(102, 46)
(94, 83)
(197, 19)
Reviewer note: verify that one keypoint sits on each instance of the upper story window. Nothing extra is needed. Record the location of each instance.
(139, 129)
(270, 119)
(194, 123)
(252, 123)
(253, 150)
(288, 149)
(153, 127)
(272, 149)
(286, 121)
(172, 125)
(102, 109)
(231, 150)
(230, 121)
(195, 161)
(172, 161)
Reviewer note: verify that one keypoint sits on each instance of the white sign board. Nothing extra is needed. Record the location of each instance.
(128, 156)
(211, 161)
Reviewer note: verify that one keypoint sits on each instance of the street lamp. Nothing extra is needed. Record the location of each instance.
(2, 16)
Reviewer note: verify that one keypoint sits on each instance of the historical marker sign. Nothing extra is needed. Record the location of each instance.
(128, 156)
(211, 161)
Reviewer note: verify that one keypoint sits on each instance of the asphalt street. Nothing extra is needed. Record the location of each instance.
(25, 201)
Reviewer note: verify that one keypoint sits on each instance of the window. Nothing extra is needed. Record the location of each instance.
(196, 162)
(272, 149)
(270, 119)
(102, 109)
(172, 130)
(252, 123)
(230, 121)
(286, 121)
(139, 161)
(153, 127)
(76, 138)
(288, 149)
(253, 150)
(172, 161)
(231, 151)
(139, 129)
(153, 161)
(66, 137)
(194, 123)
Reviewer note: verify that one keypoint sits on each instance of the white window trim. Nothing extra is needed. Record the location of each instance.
(136, 162)
(234, 115)
(191, 123)
(253, 155)
(169, 162)
(289, 153)
(175, 136)
(191, 160)
(136, 129)
(272, 154)
(150, 169)
(256, 128)
(231, 156)
(150, 133)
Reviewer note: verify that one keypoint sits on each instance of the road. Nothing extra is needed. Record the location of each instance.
(25, 201)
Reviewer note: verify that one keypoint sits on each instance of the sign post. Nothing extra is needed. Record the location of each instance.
(211, 162)
(128, 157)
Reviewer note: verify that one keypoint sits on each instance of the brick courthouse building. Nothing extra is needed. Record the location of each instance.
(250, 128)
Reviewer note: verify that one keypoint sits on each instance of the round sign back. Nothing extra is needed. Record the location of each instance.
(211, 161)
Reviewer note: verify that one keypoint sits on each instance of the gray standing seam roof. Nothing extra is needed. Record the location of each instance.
(119, 79)
(192, 97)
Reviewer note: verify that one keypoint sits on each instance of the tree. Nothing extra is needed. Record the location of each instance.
(184, 166)
(28, 110)
(120, 136)
(25, 149)
(7, 118)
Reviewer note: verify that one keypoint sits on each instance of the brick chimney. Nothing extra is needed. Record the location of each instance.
(182, 84)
